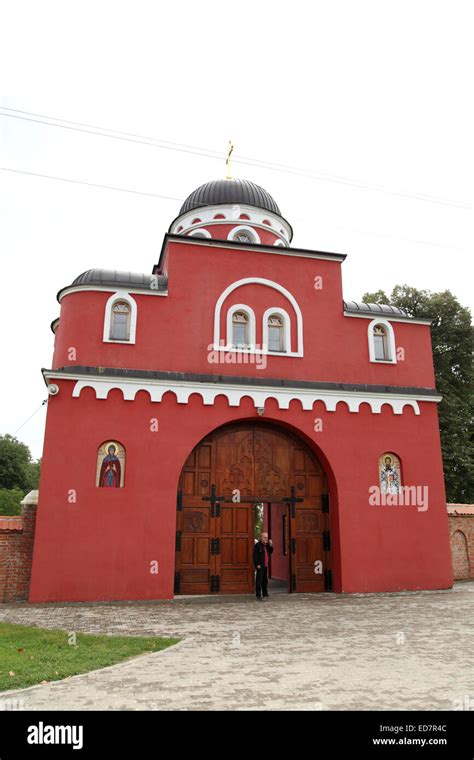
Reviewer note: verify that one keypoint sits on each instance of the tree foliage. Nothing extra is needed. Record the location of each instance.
(19, 474)
(452, 340)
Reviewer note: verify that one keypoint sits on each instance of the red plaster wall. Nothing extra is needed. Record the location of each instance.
(101, 546)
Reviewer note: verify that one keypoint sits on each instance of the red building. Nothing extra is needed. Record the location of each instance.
(231, 385)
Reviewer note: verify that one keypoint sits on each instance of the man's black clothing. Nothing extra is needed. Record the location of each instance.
(261, 578)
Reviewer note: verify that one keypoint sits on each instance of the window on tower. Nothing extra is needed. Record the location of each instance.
(240, 329)
(244, 234)
(120, 322)
(276, 337)
(381, 352)
(382, 342)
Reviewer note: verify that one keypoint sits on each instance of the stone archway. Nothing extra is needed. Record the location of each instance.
(225, 476)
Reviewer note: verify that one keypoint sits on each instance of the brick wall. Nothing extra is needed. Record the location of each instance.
(16, 551)
(461, 529)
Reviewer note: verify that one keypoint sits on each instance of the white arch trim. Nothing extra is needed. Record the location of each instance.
(390, 340)
(120, 295)
(235, 393)
(251, 326)
(218, 346)
(286, 329)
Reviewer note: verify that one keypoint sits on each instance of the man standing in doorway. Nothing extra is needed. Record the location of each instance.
(261, 554)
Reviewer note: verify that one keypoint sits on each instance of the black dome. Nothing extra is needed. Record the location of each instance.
(230, 191)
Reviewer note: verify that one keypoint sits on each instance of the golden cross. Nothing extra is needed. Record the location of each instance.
(227, 163)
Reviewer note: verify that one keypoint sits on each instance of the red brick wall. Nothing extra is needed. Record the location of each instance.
(461, 529)
(16, 551)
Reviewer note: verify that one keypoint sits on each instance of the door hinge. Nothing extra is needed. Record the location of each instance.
(215, 584)
(177, 582)
(326, 540)
(215, 546)
(327, 580)
(325, 502)
(179, 501)
(293, 545)
(178, 540)
(293, 582)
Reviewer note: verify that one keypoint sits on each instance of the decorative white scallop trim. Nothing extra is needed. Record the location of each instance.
(390, 338)
(235, 393)
(251, 326)
(244, 228)
(279, 244)
(120, 295)
(286, 330)
(279, 226)
(218, 346)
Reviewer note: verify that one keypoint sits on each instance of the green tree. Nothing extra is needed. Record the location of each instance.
(19, 474)
(10, 499)
(452, 339)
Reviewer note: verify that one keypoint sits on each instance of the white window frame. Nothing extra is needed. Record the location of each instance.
(251, 327)
(391, 347)
(120, 295)
(244, 228)
(200, 233)
(286, 331)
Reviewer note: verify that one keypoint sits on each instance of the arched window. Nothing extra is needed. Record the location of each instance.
(381, 342)
(276, 337)
(276, 331)
(120, 321)
(110, 470)
(240, 329)
(244, 234)
(389, 473)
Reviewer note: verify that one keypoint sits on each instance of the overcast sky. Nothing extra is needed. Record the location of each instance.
(369, 102)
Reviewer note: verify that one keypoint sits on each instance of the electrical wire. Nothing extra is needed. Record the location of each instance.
(31, 416)
(204, 152)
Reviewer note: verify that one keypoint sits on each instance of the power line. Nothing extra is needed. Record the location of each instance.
(31, 416)
(180, 200)
(204, 152)
(91, 184)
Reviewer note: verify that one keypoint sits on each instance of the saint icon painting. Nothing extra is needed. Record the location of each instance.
(110, 465)
(389, 471)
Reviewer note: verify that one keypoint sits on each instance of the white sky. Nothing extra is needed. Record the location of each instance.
(377, 93)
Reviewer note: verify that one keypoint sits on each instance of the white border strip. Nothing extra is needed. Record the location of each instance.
(235, 393)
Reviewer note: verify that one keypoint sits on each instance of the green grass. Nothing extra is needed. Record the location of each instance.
(30, 655)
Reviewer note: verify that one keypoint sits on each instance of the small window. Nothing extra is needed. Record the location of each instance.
(240, 329)
(244, 235)
(381, 351)
(276, 338)
(200, 234)
(120, 322)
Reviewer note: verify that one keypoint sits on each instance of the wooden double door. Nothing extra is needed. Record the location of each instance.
(225, 477)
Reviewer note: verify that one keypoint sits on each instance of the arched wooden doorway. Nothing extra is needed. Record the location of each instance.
(258, 464)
